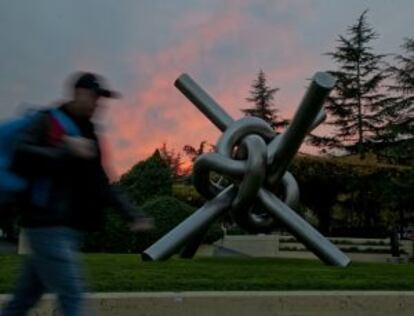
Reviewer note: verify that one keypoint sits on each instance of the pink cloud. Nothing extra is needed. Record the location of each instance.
(157, 100)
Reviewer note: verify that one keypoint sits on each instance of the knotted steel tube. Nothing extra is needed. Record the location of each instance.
(252, 156)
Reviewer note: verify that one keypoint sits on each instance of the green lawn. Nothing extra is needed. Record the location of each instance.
(109, 272)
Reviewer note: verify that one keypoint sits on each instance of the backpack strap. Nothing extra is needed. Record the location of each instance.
(66, 122)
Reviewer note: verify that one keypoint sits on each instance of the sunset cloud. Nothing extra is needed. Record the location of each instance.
(143, 46)
(220, 47)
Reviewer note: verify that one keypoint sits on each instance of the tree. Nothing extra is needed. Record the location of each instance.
(148, 179)
(173, 160)
(262, 95)
(356, 104)
(193, 153)
(399, 113)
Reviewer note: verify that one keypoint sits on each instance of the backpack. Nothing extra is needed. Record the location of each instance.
(11, 184)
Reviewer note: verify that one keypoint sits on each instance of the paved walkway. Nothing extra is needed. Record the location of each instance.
(297, 303)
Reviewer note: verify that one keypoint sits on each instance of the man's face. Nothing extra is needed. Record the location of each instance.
(86, 101)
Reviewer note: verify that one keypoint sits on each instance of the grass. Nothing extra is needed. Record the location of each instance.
(116, 273)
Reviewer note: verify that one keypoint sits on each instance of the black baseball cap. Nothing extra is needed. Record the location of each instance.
(90, 81)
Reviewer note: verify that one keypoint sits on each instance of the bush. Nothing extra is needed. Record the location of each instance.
(167, 212)
(148, 179)
(114, 236)
(344, 196)
(188, 194)
(349, 196)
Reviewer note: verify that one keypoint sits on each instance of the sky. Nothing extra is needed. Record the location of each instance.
(141, 47)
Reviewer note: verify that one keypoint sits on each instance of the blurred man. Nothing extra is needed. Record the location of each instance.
(67, 193)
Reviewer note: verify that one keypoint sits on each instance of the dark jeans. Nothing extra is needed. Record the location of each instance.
(51, 267)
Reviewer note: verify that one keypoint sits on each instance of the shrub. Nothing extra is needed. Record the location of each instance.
(148, 179)
(188, 194)
(114, 236)
(359, 196)
(167, 212)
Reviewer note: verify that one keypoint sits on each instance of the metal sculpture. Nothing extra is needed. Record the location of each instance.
(255, 159)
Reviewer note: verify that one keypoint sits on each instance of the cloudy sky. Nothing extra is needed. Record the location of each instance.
(141, 47)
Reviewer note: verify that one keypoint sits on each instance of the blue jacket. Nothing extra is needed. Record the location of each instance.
(75, 191)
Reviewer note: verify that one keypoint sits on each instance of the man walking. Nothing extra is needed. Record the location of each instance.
(60, 155)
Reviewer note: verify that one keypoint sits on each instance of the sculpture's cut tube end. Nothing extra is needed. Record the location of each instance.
(182, 78)
(324, 80)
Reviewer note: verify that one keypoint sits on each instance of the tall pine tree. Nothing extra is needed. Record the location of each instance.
(395, 141)
(356, 103)
(399, 113)
(262, 96)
